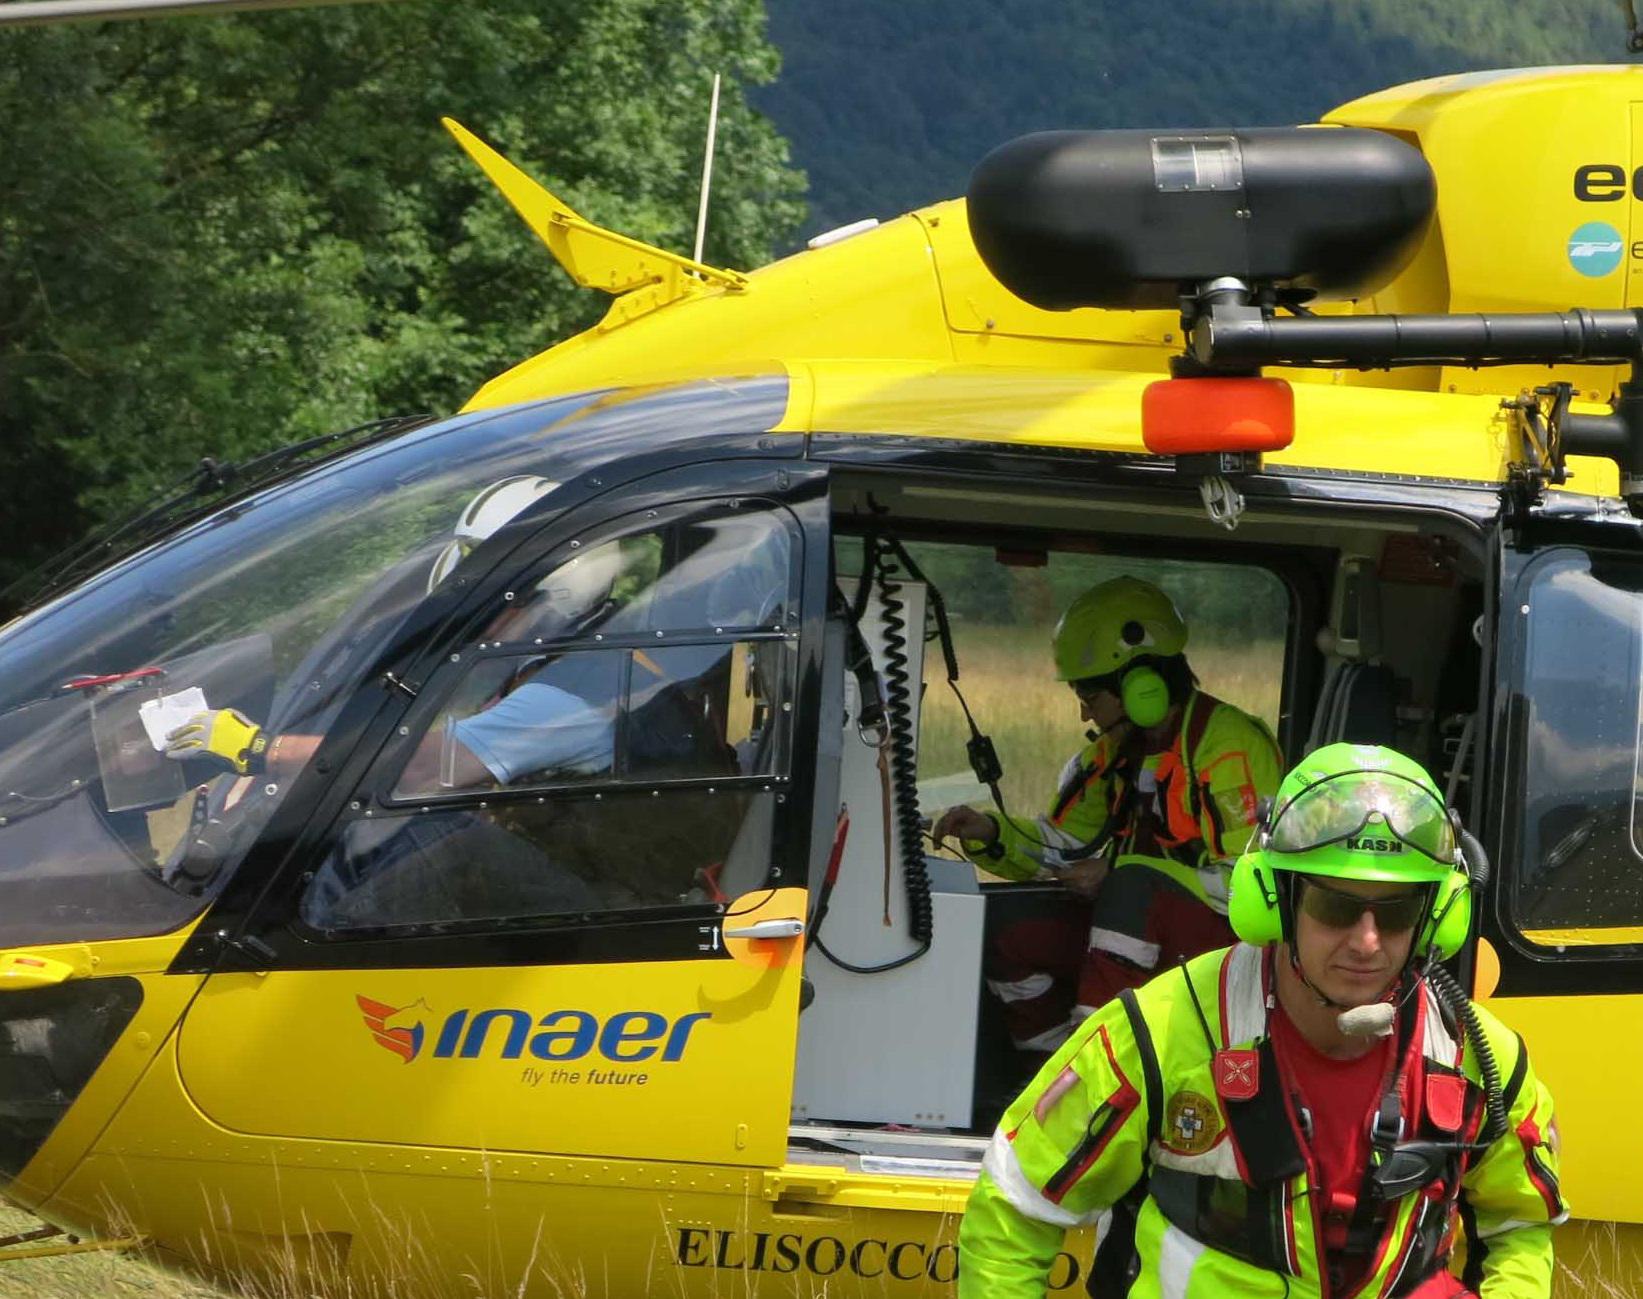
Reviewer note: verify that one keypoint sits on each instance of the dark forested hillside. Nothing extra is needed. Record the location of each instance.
(888, 103)
(221, 234)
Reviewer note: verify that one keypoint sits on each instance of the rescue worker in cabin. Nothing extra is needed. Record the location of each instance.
(1148, 819)
(1305, 1113)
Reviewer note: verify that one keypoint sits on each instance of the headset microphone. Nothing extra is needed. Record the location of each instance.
(1374, 1020)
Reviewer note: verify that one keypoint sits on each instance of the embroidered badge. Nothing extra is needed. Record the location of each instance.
(1191, 1123)
(1237, 1074)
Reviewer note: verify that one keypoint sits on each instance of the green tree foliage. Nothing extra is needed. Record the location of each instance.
(889, 106)
(217, 235)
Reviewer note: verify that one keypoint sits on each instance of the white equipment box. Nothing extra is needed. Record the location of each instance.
(898, 1046)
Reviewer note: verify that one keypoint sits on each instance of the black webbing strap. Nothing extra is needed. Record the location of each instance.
(1152, 1080)
(1116, 1264)
(1261, 1126)
(1514, 1084)
(1386, 1130)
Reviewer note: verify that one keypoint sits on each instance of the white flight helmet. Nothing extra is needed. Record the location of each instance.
(487, 512)
(575, 590)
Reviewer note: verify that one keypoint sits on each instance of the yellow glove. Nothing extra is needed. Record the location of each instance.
(222, 733)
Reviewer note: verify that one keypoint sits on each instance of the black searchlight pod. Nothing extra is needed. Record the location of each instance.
(1141, 219)
(1236, 226)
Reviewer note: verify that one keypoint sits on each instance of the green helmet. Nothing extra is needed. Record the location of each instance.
(1361, 812)
(1114, 623)
(1357, 812)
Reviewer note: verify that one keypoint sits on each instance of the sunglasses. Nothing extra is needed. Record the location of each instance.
(1338, 909)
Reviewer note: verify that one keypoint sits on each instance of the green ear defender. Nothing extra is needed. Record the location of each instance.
(1446, 928)
(1252, 900)
(1145, 695)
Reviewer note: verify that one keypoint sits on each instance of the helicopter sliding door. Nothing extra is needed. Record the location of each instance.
(561, 912)
(1568, 914)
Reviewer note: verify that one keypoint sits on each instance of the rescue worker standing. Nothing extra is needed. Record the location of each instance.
(1307, 1113)
(1148, 817)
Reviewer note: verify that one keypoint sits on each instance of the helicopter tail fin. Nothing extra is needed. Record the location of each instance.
(594, 257)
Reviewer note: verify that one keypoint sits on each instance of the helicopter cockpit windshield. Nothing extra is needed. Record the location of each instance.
(273, 607)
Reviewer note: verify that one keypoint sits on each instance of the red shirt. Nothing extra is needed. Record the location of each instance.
(1342, 1097)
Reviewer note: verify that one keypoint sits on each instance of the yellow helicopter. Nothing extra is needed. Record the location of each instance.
(682, 1002)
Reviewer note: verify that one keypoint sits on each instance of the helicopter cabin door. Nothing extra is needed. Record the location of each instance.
(1567, 923)
(562, 911)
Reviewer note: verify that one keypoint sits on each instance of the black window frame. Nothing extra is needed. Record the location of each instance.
(376, 797)
(254, 924)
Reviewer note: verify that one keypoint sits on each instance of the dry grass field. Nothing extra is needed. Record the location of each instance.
(85, 1276)
(1007, 679)
(1592, 1257)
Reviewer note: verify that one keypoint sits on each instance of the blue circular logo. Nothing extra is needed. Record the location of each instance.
(1595, 248)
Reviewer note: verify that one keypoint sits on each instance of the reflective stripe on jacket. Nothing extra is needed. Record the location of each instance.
(1219, 764)
(1221, 1172)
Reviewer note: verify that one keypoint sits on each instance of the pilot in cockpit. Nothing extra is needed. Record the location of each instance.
(552, 716)
(523, 719)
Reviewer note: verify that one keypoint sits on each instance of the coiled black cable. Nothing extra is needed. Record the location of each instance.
(898, 714)
(879, 574)
(1454, 996)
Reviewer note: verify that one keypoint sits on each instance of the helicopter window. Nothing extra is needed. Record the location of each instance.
(275, 605)
(645, 718)
(675, 711)
(727, 570)
(572, 857)
(1582, 835)
(683, 712)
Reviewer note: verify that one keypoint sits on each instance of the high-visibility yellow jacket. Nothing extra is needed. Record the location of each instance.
(1176, 1105)
(1198, 815)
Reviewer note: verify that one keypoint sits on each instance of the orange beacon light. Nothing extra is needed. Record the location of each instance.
(1213, 414)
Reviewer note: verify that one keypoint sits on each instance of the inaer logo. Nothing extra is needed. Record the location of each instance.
(504, 1033)
(1359, 843)
(404, 1040)
(1595, 249)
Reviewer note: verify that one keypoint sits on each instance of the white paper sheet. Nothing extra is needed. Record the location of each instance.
(163, 715)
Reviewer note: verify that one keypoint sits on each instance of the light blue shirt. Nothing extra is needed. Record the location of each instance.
(540, 729)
